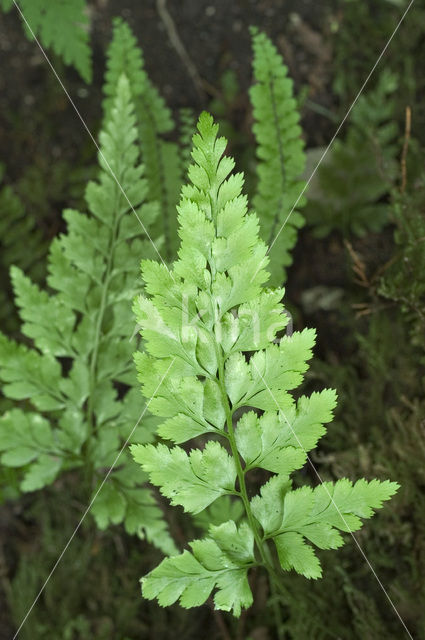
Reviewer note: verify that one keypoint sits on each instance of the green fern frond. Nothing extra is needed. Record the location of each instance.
(280, 154)
(77, 378)
(154, 119)
(187, 127)
(209, 328)
(62, 26)
(353, 183)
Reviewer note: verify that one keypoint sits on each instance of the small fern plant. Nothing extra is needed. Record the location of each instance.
(215, 370)
(74, 387)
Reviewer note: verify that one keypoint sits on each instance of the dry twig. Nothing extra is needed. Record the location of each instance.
(200, 84)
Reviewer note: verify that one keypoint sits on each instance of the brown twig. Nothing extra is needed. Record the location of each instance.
(407, 132)
(359, 266)
(365, 308)
(362, 279)
(200, 84)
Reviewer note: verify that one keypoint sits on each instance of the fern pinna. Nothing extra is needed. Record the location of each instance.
(75, 385)
(280, 153)
(213, 365)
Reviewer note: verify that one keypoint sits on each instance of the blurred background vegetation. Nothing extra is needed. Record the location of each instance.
(358, 276)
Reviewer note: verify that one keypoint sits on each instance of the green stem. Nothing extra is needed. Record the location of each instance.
(239, 470)
(263, 550)
(261, 545)
(88, 467)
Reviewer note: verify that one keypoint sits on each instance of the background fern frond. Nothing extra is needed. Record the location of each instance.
(352, 190)
(187, 127)
(280, 154)
(77, 378)
(62, 26)
(161, 157)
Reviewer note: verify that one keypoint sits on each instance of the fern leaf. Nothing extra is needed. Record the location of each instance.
(154, 119)
(279, 442)
(28, 438)
(188, 480)
(28, 374)
(354, 182)
(201, 329)
(61, 25)
(281, 159)
(86, 319)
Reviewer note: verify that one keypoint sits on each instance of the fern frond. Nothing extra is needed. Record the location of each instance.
(187, 127)
(61, 25)
(280, 154)
(209, 328)
(88, 406)
(154, 119)
(354, 181)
